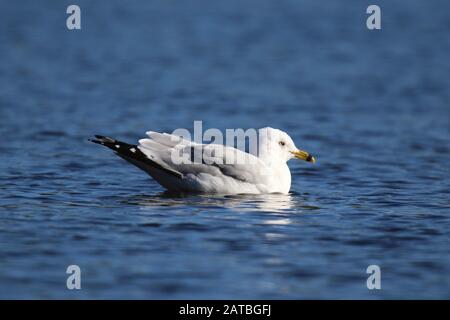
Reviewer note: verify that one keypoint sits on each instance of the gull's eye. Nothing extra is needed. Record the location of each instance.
(281, 143)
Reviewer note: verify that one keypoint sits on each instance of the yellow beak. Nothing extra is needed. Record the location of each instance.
(303, 155)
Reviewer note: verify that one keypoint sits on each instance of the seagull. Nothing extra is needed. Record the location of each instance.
(221, 170)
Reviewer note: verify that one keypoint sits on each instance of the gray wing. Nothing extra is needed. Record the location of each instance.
(192, 159)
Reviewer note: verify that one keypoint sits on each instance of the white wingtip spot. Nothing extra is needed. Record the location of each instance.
(133, 150)
(117, 146)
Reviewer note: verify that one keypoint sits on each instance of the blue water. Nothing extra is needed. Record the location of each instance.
(372, 106)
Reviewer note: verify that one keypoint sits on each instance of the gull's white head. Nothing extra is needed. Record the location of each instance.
(277, 146)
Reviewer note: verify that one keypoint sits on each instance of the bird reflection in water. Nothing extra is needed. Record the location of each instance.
(291, 203)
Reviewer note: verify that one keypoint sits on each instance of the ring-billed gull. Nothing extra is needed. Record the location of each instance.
(265, 172)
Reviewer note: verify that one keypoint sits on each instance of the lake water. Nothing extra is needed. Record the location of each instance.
(372, 106)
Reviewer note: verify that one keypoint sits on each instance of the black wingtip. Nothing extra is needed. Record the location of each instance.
(133, 154)
(102, 140)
